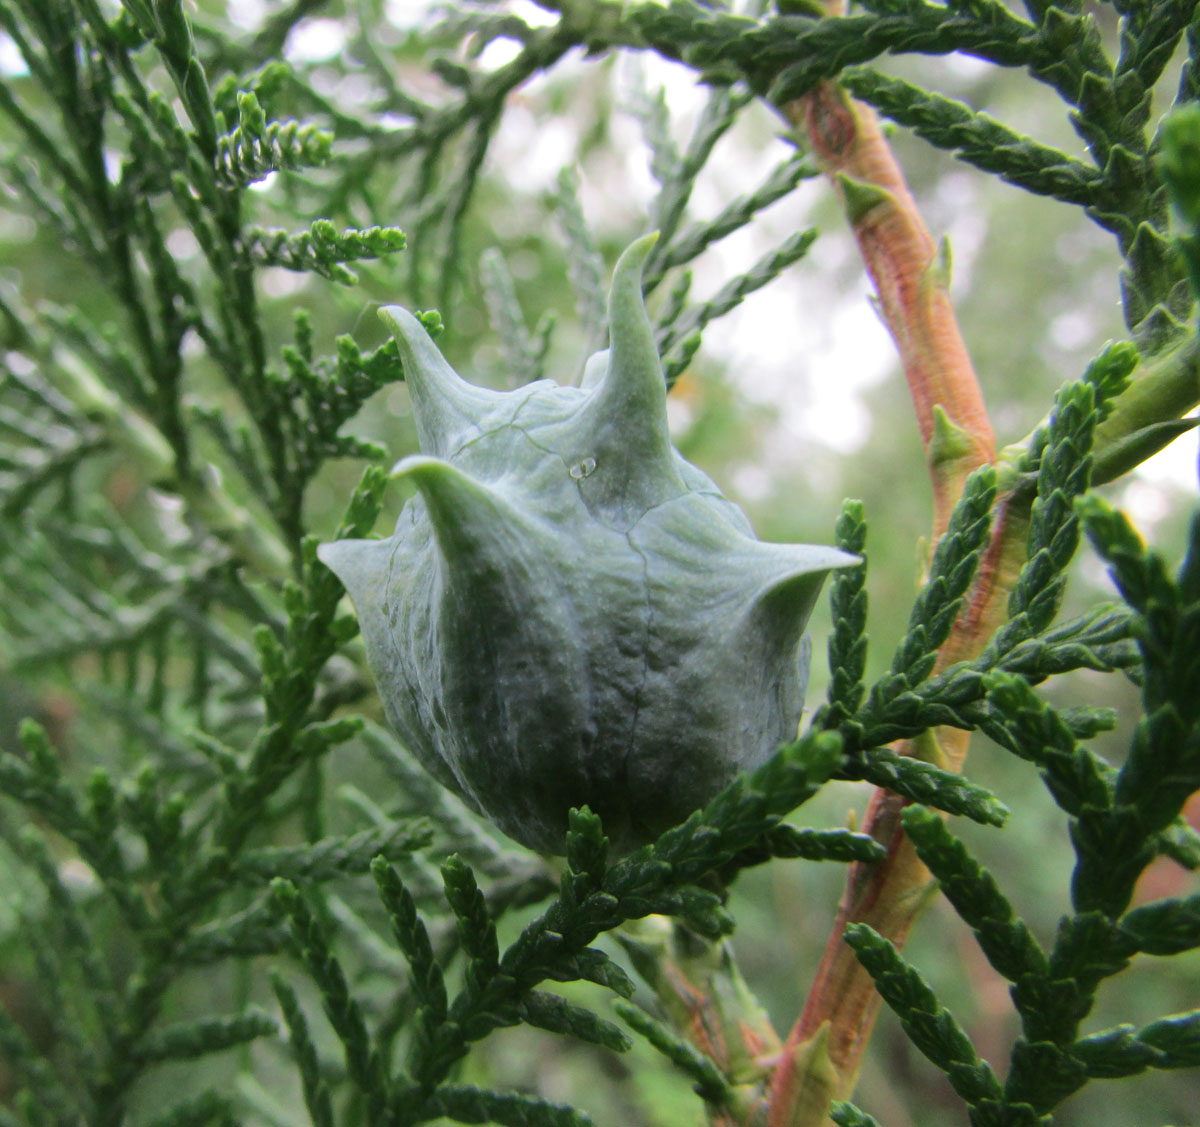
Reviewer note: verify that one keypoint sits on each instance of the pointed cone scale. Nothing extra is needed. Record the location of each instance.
(358, 564)
(770, 643)
(779, 612)
(780, 563)
(791, 574)
(624, 422)
(446, 408)
(483, 539)
(788, 578)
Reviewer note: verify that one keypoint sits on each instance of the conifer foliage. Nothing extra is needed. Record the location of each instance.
(204, 919)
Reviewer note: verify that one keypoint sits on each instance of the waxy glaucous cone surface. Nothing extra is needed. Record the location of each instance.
(569, 612)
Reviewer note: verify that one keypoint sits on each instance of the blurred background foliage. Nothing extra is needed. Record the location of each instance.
(793, 402)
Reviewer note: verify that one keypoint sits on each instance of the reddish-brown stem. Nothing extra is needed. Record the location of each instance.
(910, 278)
(889, 895)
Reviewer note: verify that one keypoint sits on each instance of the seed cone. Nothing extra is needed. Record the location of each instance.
(568, 611)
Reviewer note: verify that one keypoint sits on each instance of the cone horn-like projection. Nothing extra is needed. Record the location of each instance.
(781, 608)
(769, 645)
(445, 407)
(781, 584)
(625, 417)
(483, 539)
(357, 563)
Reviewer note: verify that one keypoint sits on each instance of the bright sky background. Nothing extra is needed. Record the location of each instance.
(821, 396)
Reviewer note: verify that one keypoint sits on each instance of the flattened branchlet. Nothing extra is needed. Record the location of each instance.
(569, 612)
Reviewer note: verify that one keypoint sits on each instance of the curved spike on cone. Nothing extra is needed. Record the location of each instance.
(633, 351)
(445, 406)
(782, 583)
(357, 564)
(774, 586)
(770, 645)
(625, 417)
(481, 536)
(779, 612)
(776, 564)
